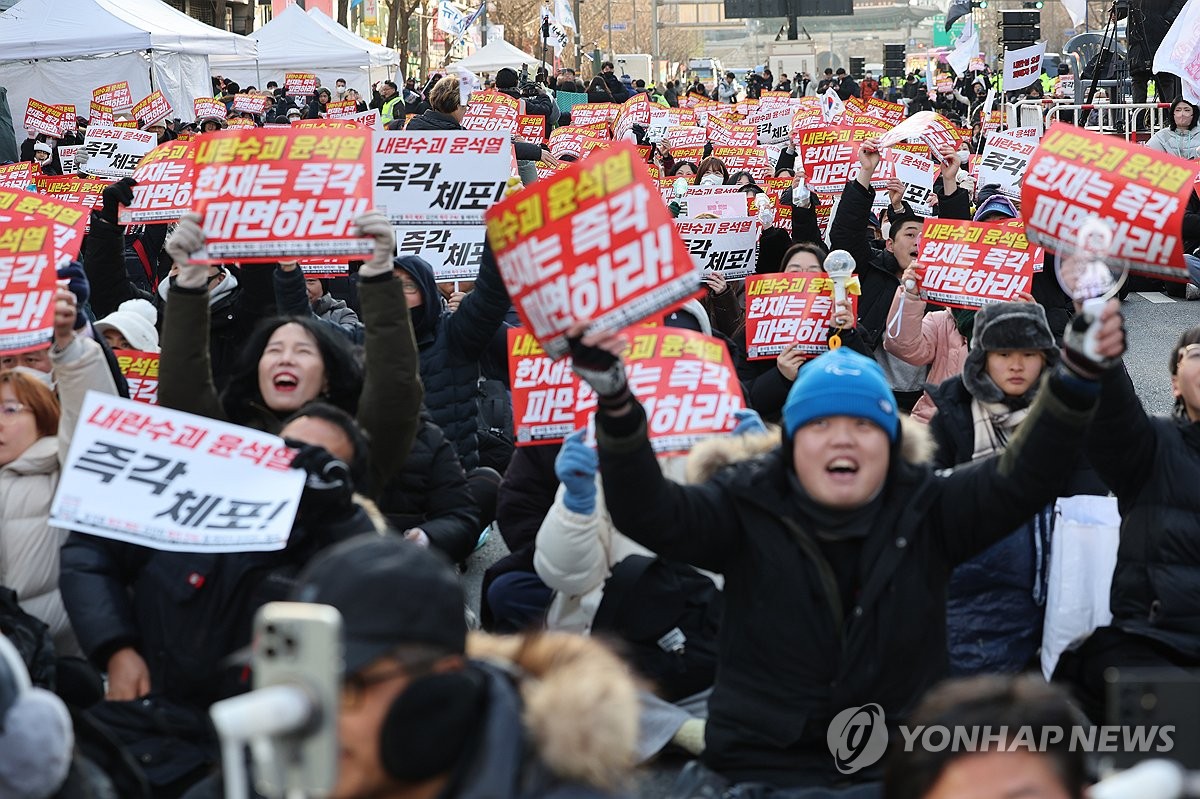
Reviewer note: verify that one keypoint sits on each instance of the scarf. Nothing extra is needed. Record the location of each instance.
(994, 423)
(964, 320)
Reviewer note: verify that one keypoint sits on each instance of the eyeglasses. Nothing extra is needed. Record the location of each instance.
(354, 686)
(10, 410)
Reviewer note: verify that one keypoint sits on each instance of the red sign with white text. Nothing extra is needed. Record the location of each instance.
(968, 264)
(531, 128)
(595, 242)
(67, 220)
(209, 108)
(27, 285)
(164, 185)
(789, 310)
(267, 194)
(543, 391)
(44, 118)
(491, 111)
(251, 103)
(1076, 174)
(152, 108)
(141, 373)
(114, 95)
(16, 176)
(299, 84)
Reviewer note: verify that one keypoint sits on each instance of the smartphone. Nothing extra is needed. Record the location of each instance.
(300, 644)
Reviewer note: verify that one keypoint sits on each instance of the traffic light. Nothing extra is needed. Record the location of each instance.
(1019, 28)
(893, 60)
(858, 66)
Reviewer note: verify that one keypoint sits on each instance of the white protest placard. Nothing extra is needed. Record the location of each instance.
(1179, 53)
(116, 152)
(172, 481)
(912, 168)
(367, 119)
(454, 251)
(773, 122)
(66, 157)
(446, 176)
(1004, 160)
(723, 204)
(728, 246)
(1022, 67)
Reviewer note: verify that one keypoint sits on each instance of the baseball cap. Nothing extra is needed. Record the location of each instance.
(390, 592)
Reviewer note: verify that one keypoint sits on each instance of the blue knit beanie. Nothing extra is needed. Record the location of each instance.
(841, 383)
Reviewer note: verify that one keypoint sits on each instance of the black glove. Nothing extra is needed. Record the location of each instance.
(328, 488)
(602, 370)
(116, 195)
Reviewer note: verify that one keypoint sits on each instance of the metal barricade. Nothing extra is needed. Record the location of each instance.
(1131, 121)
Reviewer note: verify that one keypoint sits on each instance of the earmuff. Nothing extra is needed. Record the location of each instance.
(431, 724)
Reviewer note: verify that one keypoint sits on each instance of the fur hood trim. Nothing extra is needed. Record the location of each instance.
(713, 454)
(580, 702)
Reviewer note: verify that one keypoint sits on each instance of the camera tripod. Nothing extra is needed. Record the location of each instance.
(1108, 54)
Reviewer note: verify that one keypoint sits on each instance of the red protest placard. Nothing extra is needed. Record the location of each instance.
(491, 111)
(830, 157)
(543, 391)
(164, 185)
(634, 111)
(569, 140)
(242, 122)
(531, 128)
(209, 108)
(928, 126)
(1076, 174)
(251, 103)
(114, 95)
(685, 381)
(890, 114)
(299, 84)
(27, 285)
(751, 159)
(789, 310)
(70, 120)
(152, 108)
(341, 109)
(101, 114)
(267, 194)
(723, 132)
(83, 192)
(592, 243)
(44, 118)
(685, 143)
(16, 176)
(968, 264)
(141, 373)
(594, 114)
(67, 220)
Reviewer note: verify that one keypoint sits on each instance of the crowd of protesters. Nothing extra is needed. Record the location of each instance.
(880, 519)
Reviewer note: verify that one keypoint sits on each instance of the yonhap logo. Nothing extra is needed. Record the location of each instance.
(857, 738)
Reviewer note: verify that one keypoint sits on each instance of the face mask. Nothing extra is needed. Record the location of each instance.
(45, 378)
(711, 179)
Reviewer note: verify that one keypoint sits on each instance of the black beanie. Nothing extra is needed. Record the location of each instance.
(506, 79)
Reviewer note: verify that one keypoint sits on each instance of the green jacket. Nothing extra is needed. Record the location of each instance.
(388, 409)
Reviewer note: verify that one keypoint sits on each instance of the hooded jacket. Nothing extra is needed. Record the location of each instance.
(561, 720)
(291, 299)
(450, 346)
(1152, 464)
(792, 653)
(29, 546)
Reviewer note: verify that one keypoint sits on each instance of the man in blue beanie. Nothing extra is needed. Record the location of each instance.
(835, 546)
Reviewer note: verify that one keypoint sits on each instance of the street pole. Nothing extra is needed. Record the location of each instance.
(654, 45)
(578, 42)
(610, 47)
(483, 25)
(633, 21)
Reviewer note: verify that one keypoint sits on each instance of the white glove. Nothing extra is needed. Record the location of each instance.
(377, 226)
(802, 197)
(81, 160)
(182, 244)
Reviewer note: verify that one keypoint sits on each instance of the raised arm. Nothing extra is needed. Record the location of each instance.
(79, 367)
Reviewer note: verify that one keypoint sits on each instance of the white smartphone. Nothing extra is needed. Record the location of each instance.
(300, 644)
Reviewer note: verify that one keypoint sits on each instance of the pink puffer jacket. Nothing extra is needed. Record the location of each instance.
(922, 339)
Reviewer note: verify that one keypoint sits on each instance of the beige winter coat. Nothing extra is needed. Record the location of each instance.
(28, 544)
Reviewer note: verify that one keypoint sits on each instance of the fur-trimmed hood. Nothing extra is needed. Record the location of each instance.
(579, 703)
(711, 455)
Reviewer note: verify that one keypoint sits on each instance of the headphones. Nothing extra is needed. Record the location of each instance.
(431, 725)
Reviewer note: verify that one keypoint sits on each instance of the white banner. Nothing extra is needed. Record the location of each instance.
(1003, 161)
(1023, 67)
(728, 246)
(450, 177)
(450, 19)
(66, 157)
(173, 481)
(1179, 53)
(915, 169)
(454, 251)
(116, 152)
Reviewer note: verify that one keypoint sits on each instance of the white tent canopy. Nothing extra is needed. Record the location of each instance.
(71, 28)
(296, 42)
(380, 56)
(497, 55)
(58, 51)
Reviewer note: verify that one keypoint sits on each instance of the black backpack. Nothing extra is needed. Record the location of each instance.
(667, 615)
(494, 432)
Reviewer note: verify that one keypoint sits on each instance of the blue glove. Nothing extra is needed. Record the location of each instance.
(575, 468)
(748, 423)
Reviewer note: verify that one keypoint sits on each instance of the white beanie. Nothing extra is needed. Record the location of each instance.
(133, 319)
(42, 147)
(37, 741)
